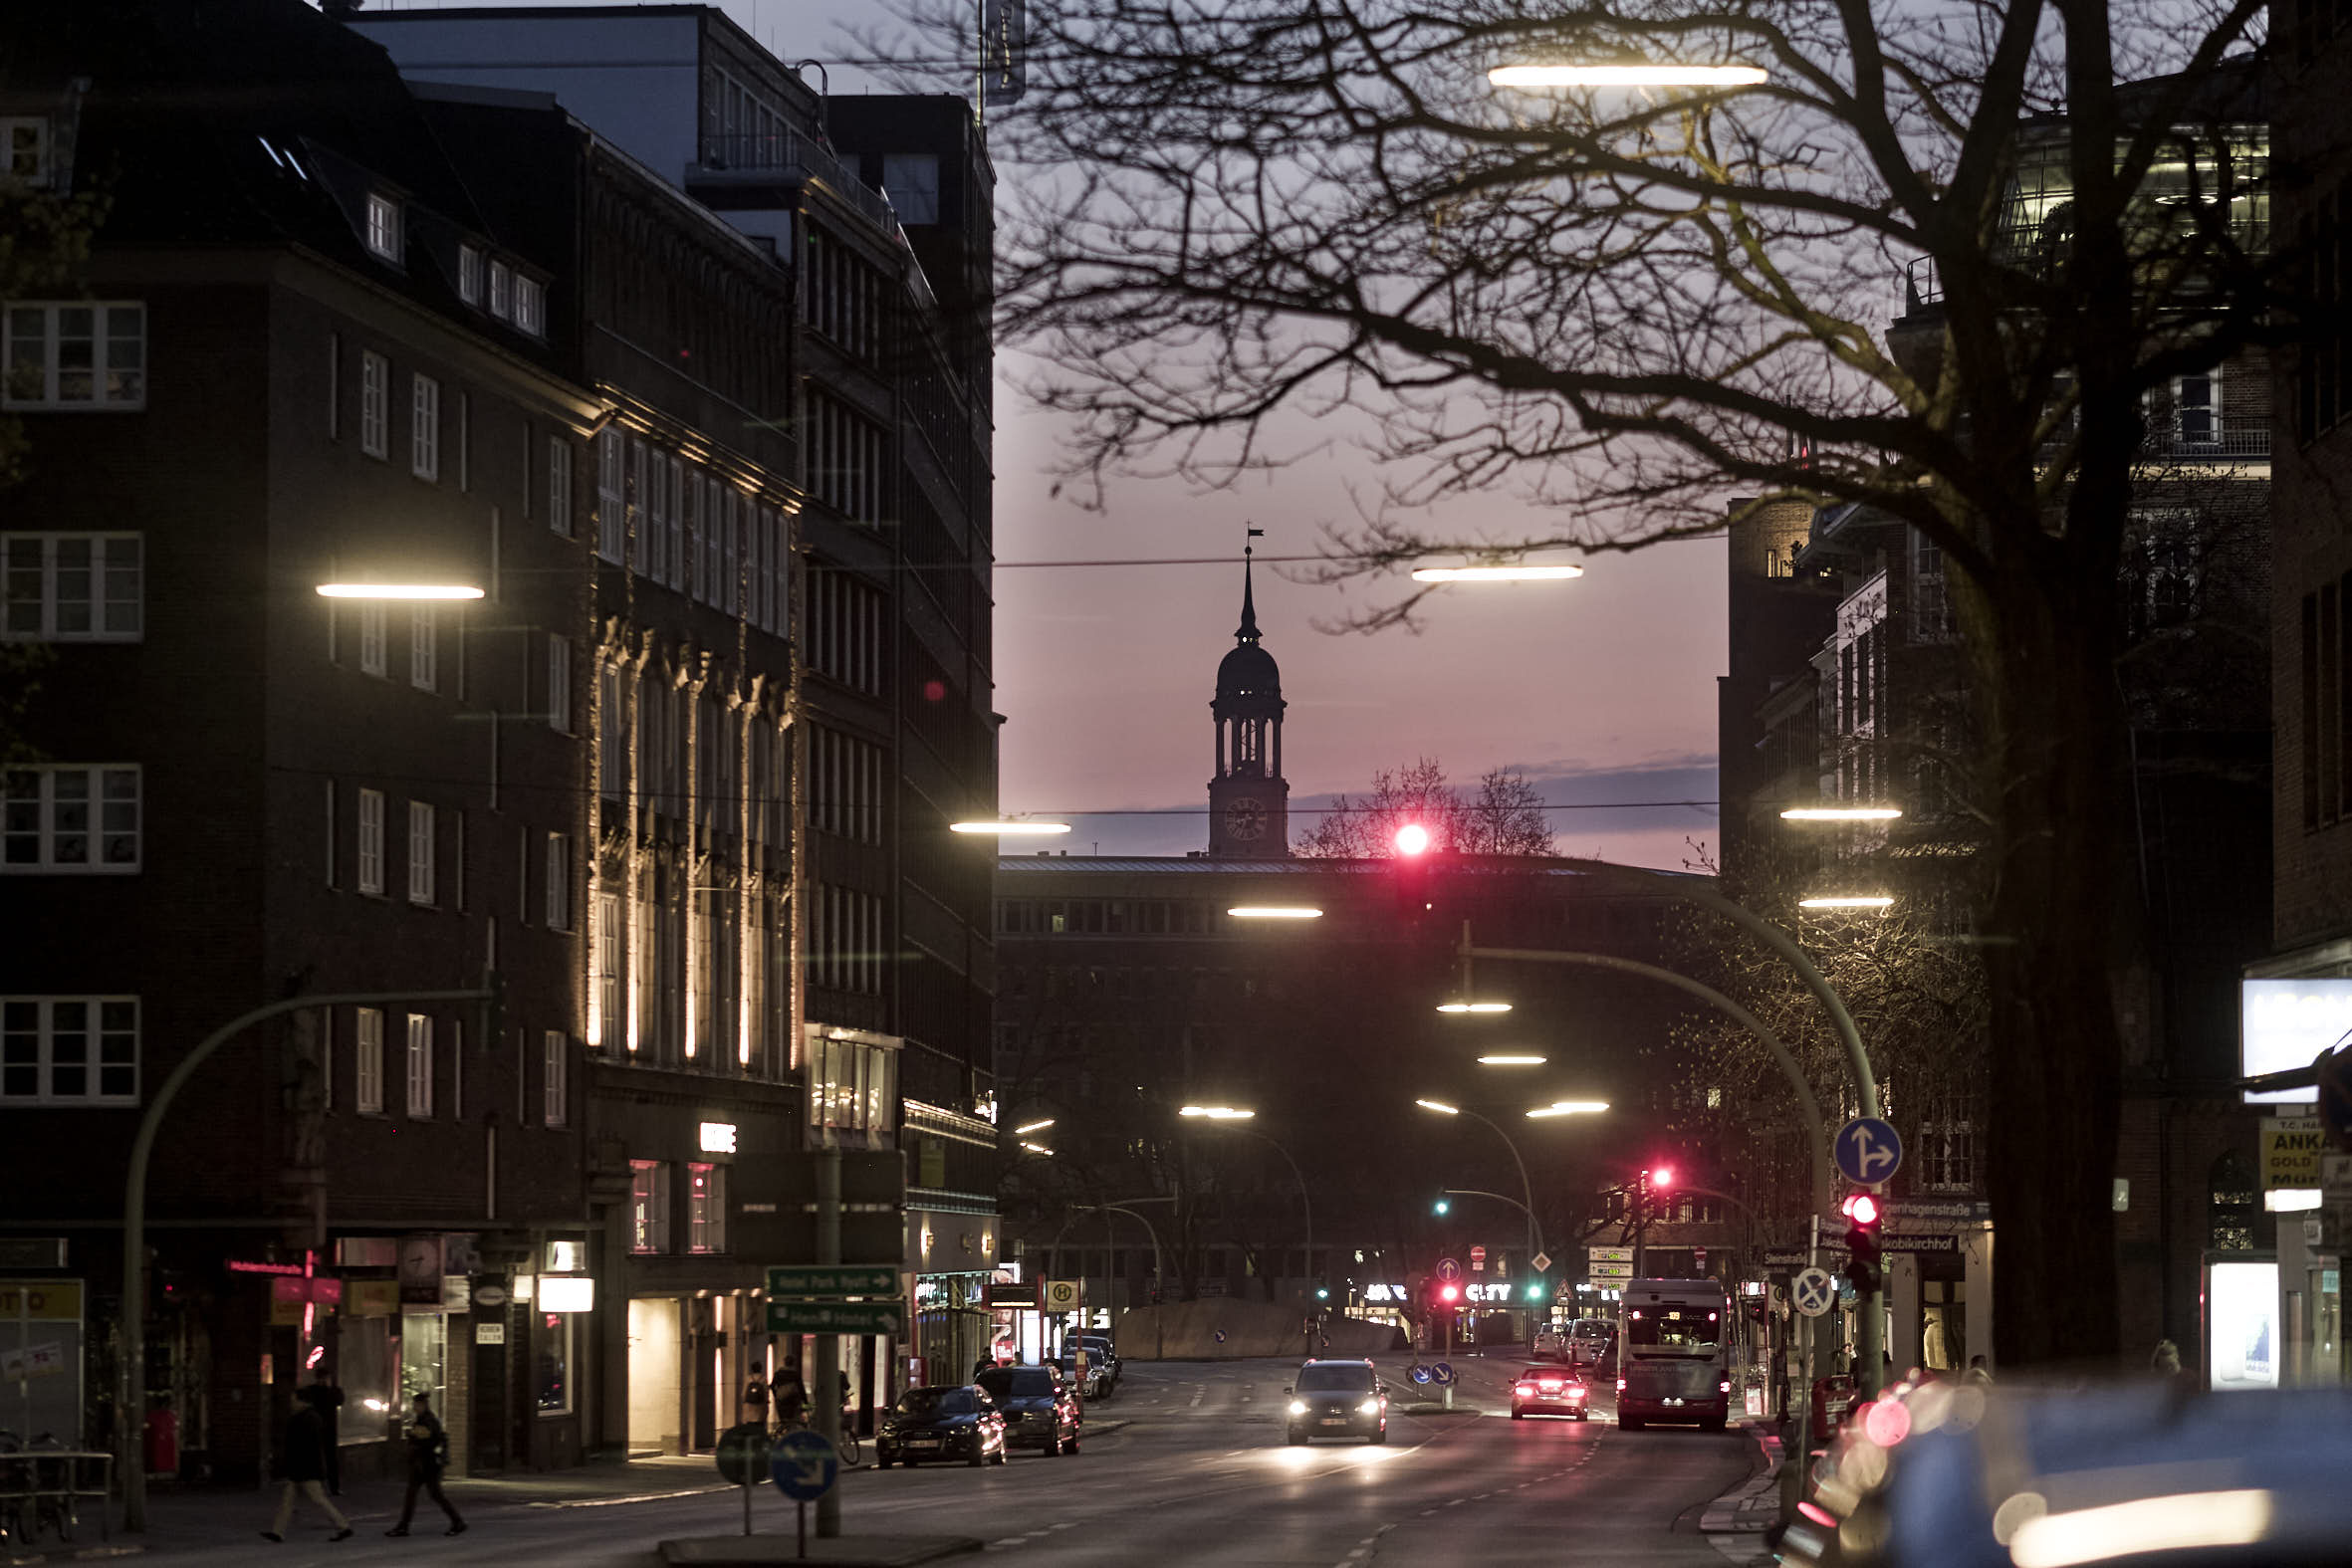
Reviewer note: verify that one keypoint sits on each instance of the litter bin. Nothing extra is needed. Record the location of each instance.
(162, 1442)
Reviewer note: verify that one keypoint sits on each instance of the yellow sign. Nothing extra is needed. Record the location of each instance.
(2291, 1147)
(49, 1299)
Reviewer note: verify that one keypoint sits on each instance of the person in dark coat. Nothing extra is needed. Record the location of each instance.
(428, 1456)
(327, 1400)
(301, 1461)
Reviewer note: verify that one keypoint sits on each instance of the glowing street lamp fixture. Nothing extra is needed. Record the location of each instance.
(1570, 1108)
(1024, 1131)
(1274, 912)
(1439, 1106)
(1842, 814)
(1473, 1007)
(1513, 1061)
(1525, 573)
(397, 591)
(1039, 1148)
(1629, 75)
(1848, 901)
(1217, 1113)
(1010, 830)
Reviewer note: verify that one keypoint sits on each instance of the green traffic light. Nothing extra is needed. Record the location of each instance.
(1535, 1292)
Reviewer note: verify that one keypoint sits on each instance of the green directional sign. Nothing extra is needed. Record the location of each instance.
(836, 1318)
(825, 1282)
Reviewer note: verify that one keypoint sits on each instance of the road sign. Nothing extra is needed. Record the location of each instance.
(743, 1453)
(1610, 1254)
(1540, 1262)
(1622, 1270)
(1868, 1152)
(1448, 1269)
(1419, 1373)
(830, 1281)
(1442, 1374)
(1813, 1292)
(1061, 1295)
(836, 1318)
(804, 1465)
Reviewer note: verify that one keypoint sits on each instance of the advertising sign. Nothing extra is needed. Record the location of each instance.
(2284, 1024)
(2292, 1146)
(2241, 1325)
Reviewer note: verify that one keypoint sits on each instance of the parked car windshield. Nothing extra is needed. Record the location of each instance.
(1335, 1380)
(923, 1403)
(1019, 1383)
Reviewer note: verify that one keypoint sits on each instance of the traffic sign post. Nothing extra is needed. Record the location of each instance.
(804, 1465)
(1868, 1150)
(1813, 1292)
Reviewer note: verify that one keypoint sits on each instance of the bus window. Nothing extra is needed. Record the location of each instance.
(1671, 1327)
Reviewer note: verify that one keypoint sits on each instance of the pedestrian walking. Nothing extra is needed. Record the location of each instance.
(327, 1400)
(791, 1395)
(302, 1462)
(428, 1456)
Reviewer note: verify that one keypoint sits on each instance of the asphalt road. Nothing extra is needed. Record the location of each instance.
(1197, 1474)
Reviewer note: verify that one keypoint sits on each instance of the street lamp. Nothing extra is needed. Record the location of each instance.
(1473, 1007)
(1217, 1113)
(1010, 830)
(1030, 1127)
(1842, 814)
(1570, 1108)
(1526, 1189)
(1639, 74)
(1847, 901)
(1274, 912)
(1518, 573)
(398, 590)
(1512, 1059)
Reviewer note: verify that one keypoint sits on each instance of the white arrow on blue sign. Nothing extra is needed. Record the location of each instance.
(1868, 1152)
(804, 1465)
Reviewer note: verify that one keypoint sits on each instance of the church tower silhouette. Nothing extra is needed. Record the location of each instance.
(1249, 799)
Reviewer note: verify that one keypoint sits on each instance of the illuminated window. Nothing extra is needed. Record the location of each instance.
(75, 356)
(72, 588)
(383, 226)
(376, 403)
(83, 820)
(370, 855)
(424, 431)
(706, 1207)
(420, 1066)
(367, 1062)
(650, 1207)
(69, 1050)
(610, 1025)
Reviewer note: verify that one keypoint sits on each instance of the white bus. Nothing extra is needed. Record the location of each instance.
(1674, 1353)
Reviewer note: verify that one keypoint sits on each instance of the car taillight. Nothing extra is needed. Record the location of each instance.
(1724, 1387)
(1620, 1385)
(1525, 1388)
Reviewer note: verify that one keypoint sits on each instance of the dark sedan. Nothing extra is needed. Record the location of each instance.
(1338, 1399)
(1040, 1408)
(941, 1424)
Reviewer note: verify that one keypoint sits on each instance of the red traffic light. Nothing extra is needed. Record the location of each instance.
(1412, 839)
(1449, 1293)
(1861, 1208)
(1662, 1177)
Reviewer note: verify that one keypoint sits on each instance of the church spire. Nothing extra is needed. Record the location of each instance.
(1247, 633)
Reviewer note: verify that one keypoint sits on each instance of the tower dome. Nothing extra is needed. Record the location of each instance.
(1249, 799)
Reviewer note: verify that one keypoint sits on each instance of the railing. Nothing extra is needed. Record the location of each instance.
(42, 1491)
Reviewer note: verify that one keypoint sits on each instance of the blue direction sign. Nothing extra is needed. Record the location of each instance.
(1868, 1152)
(804, 1465)
(1442, 1374)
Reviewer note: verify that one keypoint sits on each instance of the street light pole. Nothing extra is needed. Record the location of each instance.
(1527, 1188)
(131, 1375)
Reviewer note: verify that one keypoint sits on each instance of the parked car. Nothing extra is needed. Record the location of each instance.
(1549, 1390)
(1099, 1347)
(1094, 1385)
(942, 1423)
(1040, 1408)
(1551, 1345)
(1333, 1398)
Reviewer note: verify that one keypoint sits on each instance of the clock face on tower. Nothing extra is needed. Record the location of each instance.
(1245, 818)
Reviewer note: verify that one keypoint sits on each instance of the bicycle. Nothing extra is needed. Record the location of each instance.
(849, 1445)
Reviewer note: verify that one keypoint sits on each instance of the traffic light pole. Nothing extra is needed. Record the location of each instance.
(130, 1373)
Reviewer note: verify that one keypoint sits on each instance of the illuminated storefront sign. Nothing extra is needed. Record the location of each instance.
(2285, 1024)
(2243, 1311)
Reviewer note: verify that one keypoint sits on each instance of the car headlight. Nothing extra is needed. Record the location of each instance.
(1370, 1407)
(1297, 1407)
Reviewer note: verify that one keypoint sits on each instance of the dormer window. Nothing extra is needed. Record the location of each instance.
(502, 287)
(469, 275)
(383, 226)
(530, 305)
(24, 151)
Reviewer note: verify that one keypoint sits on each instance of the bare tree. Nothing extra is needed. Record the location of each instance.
(1504, 818)
(1626, 304)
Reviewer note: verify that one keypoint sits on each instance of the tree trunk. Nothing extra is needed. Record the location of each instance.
(2058, 917)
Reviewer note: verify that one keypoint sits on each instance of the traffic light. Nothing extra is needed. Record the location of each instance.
(1661, 1178)
(1412, 839)
(1862, 1249)
(1444, 1205)
(1409, 872)
(1538, 1290)
(1322, 1291)
(1448, 1295)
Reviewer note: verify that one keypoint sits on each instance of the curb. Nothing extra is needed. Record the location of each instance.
(1753, 1505)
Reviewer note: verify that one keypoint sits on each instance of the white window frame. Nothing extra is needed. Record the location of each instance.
(424, 646)
(559, 486)
(706, 1211)
(40, 325)
(559, 683)
(559, 882)
(373, 636)
(611, 940)
(367, 1061)
(423, 847)
(375, 404)
(554, 1078)
(29, 1039)
(417, 1061)
(383, 226)
(25, 151)
(469, 273)
(611, 505)
(530, 305)
(424, 427)
(649, 1208)
(465, 441)
(45, 801)
(367, 861)
(502, 289)
(36, 577)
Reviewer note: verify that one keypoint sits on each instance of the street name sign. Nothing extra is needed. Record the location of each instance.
(830, 1281)
(1606, 1270)
(1610, 1254)
(1868, 1152)
(836, 1318)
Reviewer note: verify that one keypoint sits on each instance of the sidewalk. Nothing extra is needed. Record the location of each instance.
(1735, 1522)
